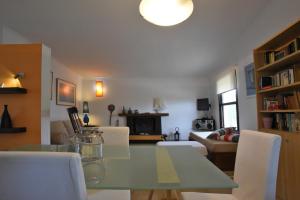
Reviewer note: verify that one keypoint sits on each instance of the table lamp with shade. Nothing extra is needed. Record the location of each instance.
(85, 111)
(158, 104)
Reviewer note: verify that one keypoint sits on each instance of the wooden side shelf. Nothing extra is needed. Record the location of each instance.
(13, 130)
(13, 90)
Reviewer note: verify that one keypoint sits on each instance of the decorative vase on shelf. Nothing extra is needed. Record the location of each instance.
(267, 122)
(5, 119)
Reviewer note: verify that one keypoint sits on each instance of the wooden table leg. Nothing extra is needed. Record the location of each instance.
(150, 195)
(178, 195)
(169, 195)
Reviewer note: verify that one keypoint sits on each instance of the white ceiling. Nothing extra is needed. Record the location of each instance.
(110, 38)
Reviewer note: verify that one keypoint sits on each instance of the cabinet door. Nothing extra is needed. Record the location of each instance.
(281, 180)
(293, 166)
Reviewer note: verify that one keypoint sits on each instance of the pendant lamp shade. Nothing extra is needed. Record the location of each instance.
(166, 12)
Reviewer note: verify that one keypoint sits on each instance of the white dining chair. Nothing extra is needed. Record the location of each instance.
(255, 169)
(47, 176)
(115, 135)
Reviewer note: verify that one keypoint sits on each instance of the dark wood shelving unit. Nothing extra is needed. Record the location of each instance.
(13, 130)
(13, 90)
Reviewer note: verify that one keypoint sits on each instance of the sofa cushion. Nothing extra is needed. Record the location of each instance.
(69, 127)
(225, 134)
(59, 133)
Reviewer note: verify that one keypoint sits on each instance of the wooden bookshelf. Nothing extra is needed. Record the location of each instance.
(289, 165)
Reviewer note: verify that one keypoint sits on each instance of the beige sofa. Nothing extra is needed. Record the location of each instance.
(61, 131)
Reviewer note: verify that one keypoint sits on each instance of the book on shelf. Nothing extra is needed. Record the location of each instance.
(282, 78)
(269, 57)
(282, 101)
(294, 46)
(287, 122)
(271, 103)
(274, 55)
(279, 54)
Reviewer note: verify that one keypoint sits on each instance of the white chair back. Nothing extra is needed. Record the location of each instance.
(41, 176)
(256, 165)
(115, 135)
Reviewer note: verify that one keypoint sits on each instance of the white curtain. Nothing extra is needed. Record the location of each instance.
(226, 82)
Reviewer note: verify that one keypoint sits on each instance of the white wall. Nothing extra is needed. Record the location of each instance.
(1, 32)
(59, 70)
(179, 95)
(45, 96)
(9, 36)
(273, 19)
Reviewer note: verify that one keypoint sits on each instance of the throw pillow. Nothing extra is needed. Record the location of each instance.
(225, 134)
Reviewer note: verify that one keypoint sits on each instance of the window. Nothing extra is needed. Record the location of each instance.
(228, 106)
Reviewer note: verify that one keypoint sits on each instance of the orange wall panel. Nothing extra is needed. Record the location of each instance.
(24, 109)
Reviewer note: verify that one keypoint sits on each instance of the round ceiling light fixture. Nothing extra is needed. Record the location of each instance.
(166, 12)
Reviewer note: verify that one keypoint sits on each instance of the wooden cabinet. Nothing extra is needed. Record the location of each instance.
(288, 178)
(281, 176)
(292, 165)
(272, 59)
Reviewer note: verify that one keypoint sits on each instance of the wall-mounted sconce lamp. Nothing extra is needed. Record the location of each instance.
(19, 75)
(85, 111)
(99, 88)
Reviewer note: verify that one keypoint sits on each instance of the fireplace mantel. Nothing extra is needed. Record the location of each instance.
(144, 115)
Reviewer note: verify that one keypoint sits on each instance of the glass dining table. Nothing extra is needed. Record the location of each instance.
(148, 167)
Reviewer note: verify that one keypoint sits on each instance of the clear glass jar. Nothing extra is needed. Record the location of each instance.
(89, 146)
(94, 172)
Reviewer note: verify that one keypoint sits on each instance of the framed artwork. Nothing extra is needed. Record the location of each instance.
(65, 93)
(250, 79)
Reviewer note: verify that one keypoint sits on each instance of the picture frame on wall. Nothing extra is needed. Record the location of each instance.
(65, 93)
(250, 80)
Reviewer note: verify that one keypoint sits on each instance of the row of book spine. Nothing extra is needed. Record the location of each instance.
(281, 78)
(289, 100)
(274, 55)
(287, 122)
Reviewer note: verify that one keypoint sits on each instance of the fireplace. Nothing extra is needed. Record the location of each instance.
(144, 123)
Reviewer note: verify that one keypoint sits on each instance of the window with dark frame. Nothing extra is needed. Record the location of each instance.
(228, 107)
